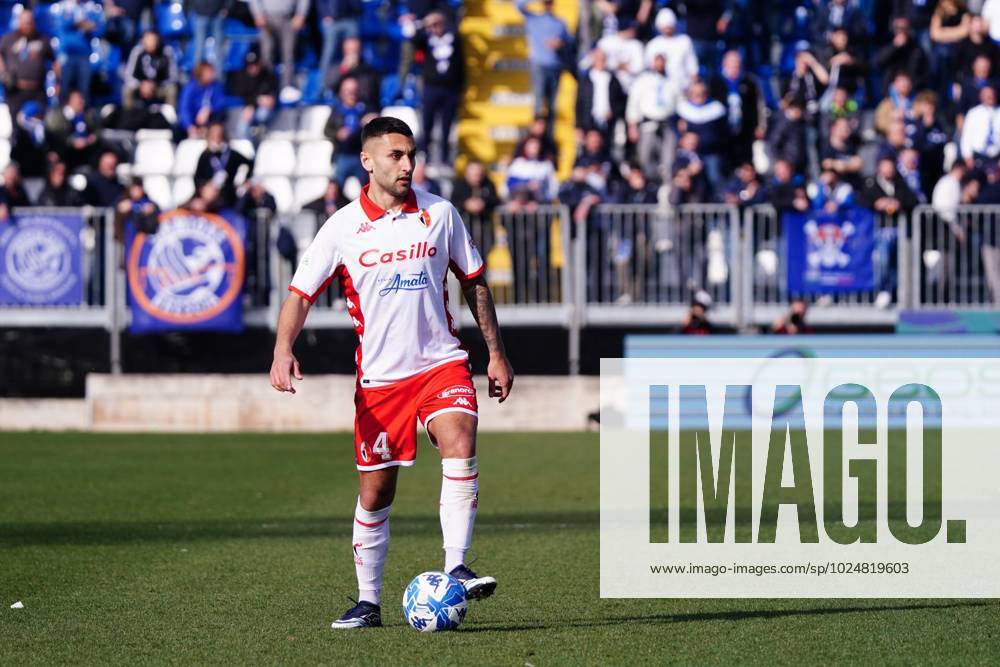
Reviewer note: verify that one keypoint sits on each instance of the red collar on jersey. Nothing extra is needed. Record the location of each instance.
(374, 211)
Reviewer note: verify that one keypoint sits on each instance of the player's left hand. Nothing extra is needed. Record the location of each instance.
(501, 376)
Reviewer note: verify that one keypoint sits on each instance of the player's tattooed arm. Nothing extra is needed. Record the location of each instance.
(480, 300)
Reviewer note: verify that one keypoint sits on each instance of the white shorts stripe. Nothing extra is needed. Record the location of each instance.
(389, 464)
(444, 410)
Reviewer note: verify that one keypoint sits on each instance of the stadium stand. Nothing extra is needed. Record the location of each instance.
(616, 204)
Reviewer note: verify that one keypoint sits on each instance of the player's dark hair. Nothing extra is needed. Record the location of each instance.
(383, 125)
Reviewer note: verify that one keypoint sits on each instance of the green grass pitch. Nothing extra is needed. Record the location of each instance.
(188, 549)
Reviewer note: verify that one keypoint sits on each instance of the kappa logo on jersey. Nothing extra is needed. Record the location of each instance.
(458, 389)
(411, 282)
(365, 227)
(374, 256)
(462, 401)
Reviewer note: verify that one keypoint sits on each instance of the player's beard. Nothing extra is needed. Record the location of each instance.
(397, 188)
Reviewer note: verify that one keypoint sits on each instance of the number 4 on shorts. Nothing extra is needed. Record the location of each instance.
(381, 446)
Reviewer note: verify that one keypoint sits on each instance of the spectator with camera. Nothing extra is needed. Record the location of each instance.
(136, 208)
(794, 322)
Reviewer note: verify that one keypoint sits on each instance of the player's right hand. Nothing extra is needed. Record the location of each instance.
(284, 366)
(501, 376)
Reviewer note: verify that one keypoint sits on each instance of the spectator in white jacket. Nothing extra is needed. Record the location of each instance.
(980, 140)
(652, 100)
(682, 63)
(948, 194)
(625, 56)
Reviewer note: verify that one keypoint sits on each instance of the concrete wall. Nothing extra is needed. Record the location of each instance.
(225, 403)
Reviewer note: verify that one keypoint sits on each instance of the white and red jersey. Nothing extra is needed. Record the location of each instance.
(394, 270)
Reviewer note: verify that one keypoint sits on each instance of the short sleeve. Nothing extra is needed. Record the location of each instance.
(318, 265)
(464, 258)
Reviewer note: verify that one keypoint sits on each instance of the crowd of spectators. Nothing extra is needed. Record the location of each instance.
(81, 77)
(860, 105)
(696, 95)
(805, 104)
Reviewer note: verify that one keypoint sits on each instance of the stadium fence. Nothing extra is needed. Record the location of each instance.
(621, 265)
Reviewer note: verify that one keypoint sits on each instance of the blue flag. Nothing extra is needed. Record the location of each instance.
(189, 274)
(41, 260)
(830, 252)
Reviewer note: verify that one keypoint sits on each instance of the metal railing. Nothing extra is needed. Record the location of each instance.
(99, 269)
(621, 266)
(643, 263)
(765, 274)
(955, 260)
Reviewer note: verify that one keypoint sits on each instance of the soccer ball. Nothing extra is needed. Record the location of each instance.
(434, 601)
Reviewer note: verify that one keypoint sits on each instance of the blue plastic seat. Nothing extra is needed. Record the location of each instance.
(171, 21)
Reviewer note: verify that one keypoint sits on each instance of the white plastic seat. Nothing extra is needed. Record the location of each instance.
(406, 114)
(148, 135)
(352, 188)
(186, 157)
(242, 146)
(183, 190)
(281, 189)
(304, 226)
(124, 171)
(275, 157)
(232, 121)
(7, 124)
(284, 125)
(157, 188)
(312, 122)
(78, 182)
(153, 156)
(314, 158)
(308, 189)
(170, 115)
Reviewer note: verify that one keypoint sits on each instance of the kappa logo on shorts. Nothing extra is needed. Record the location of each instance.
(457, 390)
(462, 401)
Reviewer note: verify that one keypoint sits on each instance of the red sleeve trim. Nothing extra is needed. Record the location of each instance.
(312, 298)
(296, 290)
(463, 277)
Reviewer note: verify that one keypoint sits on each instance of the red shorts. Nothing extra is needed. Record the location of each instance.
(385, 422)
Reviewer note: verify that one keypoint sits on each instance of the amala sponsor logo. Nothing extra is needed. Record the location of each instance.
(409, 282)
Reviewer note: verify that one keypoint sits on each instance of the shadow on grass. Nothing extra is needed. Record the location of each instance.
(735, 615)
(123, 532)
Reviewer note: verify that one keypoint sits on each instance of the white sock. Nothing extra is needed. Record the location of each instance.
(370, 544)
(459, 500)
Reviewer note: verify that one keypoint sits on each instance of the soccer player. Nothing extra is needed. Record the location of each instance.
(391, 249)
